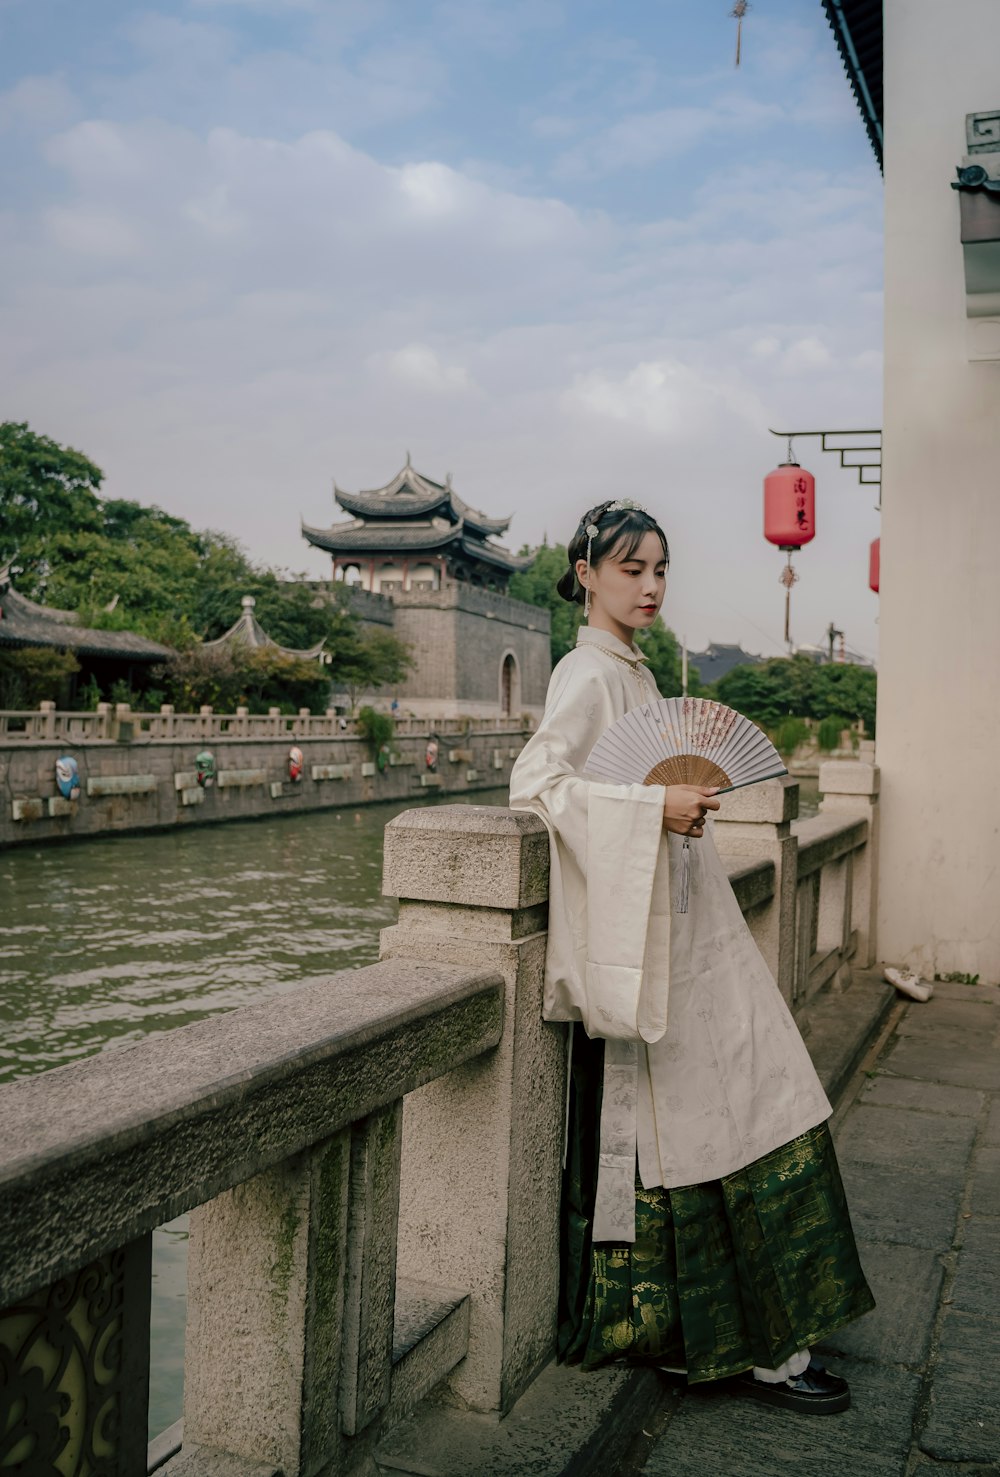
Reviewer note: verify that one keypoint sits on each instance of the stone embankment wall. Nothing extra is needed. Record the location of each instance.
(148, 784)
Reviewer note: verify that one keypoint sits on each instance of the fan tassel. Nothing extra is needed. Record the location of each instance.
(684, 886)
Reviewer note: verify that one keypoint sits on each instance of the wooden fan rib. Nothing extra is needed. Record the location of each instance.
(687, 769)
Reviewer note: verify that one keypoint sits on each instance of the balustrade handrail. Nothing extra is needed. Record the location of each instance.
(119, 722)
(101, 1151)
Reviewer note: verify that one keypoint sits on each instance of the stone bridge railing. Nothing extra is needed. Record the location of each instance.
(118, 722)
(371, 1162)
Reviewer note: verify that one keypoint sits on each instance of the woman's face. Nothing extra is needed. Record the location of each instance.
(627, 593)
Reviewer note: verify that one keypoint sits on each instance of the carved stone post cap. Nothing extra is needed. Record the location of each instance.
(476, 856)
(849, 777)
(771, 801)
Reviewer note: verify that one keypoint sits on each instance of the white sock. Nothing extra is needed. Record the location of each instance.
(787, 1371)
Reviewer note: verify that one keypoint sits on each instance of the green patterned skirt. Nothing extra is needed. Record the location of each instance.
(722, 1276)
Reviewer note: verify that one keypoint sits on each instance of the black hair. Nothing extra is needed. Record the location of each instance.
(619, 532)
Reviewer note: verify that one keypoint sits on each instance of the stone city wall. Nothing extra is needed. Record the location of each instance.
(153, 783)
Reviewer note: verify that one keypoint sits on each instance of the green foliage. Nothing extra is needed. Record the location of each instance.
(374, 658)
(829, 733)
(956, 977)
(30, 675)
(788, 734)
(45, 488)
(537, 586)
(375, 728)
(796, 687)
(243, 678)
(843, 691)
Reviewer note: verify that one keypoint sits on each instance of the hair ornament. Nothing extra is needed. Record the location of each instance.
(591, 529)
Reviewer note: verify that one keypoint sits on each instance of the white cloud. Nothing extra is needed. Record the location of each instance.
(419, 366)
(37, 104)
(639, 140)
(664, 397)
(805, 354)
(92, 232)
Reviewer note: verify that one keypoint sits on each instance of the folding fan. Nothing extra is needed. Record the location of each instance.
(685, 741)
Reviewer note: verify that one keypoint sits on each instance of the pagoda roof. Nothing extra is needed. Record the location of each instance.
(361, 538)
(248, 632)
(412, 495)
(25, 622)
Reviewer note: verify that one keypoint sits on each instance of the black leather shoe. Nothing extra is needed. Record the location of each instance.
(813, 1392)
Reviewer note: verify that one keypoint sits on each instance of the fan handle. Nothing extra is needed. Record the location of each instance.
(687, 769)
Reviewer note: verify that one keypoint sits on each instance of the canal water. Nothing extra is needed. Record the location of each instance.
(107, 941)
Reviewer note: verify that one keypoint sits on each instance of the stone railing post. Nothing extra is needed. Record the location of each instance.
(165, 726)
(850, 787)
(47, 722)
(104, 720)
(241, 727)
(206, 721)
(755, 823)
(479, 1201)
(266, 1307)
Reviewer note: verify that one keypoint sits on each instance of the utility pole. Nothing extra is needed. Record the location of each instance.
(831, 635)
(684, 666)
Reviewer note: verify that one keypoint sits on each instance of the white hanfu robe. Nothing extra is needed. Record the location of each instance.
(724, 1077)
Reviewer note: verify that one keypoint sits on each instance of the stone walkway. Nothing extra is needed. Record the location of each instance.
(919, 1142)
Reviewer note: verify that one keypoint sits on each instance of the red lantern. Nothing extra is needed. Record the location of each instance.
(874, 562)
(789, 506)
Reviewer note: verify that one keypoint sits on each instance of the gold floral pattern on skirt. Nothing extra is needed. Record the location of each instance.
(724, 1275)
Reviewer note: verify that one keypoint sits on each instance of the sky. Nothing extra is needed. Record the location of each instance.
(561, 249)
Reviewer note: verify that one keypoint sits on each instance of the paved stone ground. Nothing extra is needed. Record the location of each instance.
(919, 1143)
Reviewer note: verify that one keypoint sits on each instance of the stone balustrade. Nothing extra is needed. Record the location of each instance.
(118, 723)
(371, 1162)
(814, 920)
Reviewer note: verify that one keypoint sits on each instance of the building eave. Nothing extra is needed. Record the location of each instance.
(857, 28)
(349, 539)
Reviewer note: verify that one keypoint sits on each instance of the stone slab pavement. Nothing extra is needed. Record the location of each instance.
(918, 1135)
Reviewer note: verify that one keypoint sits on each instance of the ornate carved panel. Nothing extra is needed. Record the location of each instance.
(74, 1372)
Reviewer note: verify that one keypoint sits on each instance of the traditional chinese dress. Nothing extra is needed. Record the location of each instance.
(704, 1217)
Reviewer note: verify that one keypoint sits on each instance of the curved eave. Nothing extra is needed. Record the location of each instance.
(479, 522)
(513, 563)
(360, 541)
(86, 642)
(249, 634)
(857, 27)
(386, 505)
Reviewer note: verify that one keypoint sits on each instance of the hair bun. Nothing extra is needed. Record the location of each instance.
(566, 586)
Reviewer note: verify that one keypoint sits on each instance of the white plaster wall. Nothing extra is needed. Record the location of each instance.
(939, 676)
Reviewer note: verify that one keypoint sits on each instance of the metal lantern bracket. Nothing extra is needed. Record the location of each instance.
(860, 450)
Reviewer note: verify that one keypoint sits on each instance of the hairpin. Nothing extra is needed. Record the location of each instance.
(621, 505)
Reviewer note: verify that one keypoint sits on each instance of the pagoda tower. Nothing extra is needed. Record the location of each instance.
(415, 534)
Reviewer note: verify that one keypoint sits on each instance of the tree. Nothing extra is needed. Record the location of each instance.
(795, 687)
(45, 489)
(30, 675)
(240, 677)
(537, 586)
(372, 659)
(663, 657)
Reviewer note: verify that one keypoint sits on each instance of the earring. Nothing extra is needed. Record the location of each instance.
(591, 532)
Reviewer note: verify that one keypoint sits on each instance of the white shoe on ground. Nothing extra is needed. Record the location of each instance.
(908, 983)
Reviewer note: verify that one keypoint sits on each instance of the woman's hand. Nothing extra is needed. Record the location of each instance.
(686, 807)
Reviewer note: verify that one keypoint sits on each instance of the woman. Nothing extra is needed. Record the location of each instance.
(705, 1228)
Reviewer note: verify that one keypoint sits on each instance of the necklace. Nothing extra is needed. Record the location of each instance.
(633, 665)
